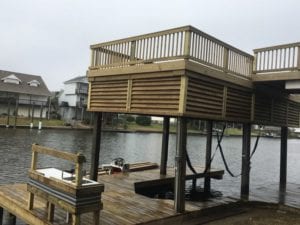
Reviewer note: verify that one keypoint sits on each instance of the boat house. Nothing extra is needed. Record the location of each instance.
(186, 73)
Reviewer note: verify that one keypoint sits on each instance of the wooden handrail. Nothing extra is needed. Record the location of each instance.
(174, 44)
(277, 58)
(76, 158)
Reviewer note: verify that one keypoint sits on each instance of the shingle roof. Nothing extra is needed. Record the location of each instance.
(23, 87)
(79, 79)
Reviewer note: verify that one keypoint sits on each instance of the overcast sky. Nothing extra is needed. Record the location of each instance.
(51, 38)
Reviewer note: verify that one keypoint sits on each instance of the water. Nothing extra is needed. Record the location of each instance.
(15, 151)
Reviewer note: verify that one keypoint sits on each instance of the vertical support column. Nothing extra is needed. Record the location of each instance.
(208, 155)
(180, 168)
(16, 112)
(246, 162)
(164, 146)
(8, 112)
(32, 111)
(96, 146)
(283, 160)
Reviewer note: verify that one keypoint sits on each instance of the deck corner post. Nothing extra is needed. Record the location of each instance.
(208, 155)
(96, 146)
(283, 159)
(245, 179)
(165, 145)
(180, 165)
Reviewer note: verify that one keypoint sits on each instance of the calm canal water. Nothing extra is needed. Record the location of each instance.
(15, 152)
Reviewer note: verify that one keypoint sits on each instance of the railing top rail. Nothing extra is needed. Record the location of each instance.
(169, 31)
(134, 38)
(276, 47)
(193, 29)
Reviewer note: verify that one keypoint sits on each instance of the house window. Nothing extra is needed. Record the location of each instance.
(34, 83)
(11, 79)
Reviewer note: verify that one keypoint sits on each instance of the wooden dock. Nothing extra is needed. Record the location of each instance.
(121, 205)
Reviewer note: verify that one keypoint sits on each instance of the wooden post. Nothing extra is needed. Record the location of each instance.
(32, 111)
(283, 159)
(164, 146)
(180, 162)
(16, 112)
(208, 155)
(246, 162)
(41, 112)
(8, 112)
(96, 146)
(187, 44)
(225, 60)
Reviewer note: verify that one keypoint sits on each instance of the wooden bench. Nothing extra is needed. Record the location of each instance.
(75, 194)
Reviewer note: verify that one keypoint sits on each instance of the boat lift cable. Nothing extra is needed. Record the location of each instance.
(188, 161)
(219, 146)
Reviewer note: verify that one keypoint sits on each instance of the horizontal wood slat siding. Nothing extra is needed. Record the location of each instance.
(293, 114)
(108, 96)
(238, 105)
(262, 109)
(279, 112)
(276, 111)
(204, 99)
(155, 95)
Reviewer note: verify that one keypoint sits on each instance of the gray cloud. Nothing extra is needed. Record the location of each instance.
(52, 37)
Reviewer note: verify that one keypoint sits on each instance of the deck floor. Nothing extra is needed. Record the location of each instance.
(123, 206)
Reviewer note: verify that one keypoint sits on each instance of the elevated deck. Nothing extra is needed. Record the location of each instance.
(185, 72)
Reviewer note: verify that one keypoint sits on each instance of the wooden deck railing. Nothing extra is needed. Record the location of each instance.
(174, 44)
(277, 58)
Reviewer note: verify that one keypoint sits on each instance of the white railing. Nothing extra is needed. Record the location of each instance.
(277, 58)
(175, 44)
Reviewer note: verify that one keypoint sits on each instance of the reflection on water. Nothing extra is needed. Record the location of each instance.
(15, 151)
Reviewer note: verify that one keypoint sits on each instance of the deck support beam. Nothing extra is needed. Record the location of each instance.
(96, 146)
(164, 146)
(208, 155)
(180, 165)
(246, 162)
(283, 160)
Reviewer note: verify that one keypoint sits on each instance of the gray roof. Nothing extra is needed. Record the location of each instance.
(79, 79)
(23, 87)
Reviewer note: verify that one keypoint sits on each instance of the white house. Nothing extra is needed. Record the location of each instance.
(23, 95)
(73, 99)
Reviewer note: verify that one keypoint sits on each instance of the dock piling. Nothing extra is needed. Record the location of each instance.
(283, 161)
(165, 145)
(180, 168)
(96, 146)
(246, 162)
(208, 155)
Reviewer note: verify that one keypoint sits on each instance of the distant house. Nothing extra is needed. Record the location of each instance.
(23, 95)
(73, 99)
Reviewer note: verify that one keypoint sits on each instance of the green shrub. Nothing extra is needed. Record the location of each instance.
(130, 119)
(143, 120)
